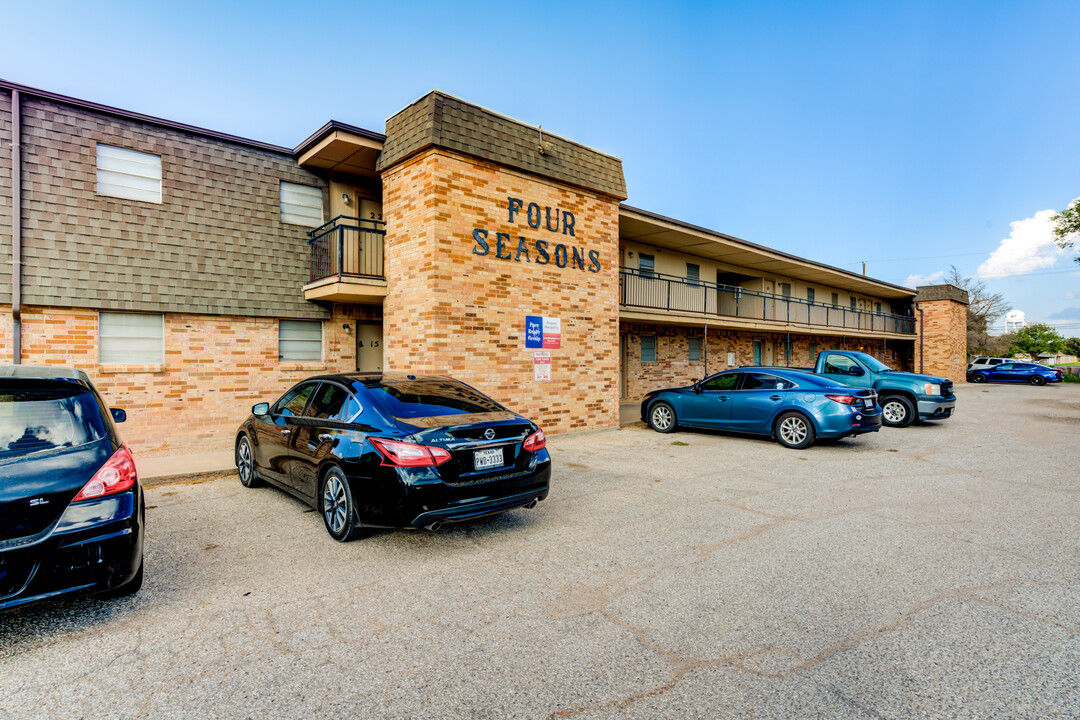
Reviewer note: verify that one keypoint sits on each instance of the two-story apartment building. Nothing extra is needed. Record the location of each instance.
(193, 273)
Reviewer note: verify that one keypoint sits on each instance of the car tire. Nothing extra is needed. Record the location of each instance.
(897, 411)
(1037, 380)
(794, 430)
(336, 506)
(245, 463)
(662, 418)
(128, 589)
(976, 378)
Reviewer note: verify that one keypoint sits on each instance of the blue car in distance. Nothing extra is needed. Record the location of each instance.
(792, 406)
(1017, 372)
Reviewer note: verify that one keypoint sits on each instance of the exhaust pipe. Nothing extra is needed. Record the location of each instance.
(434, 526)
(531, 504)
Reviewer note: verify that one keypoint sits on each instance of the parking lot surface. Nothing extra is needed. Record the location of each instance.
(926, 572)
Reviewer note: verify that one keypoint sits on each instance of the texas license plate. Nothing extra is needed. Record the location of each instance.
(491, 457)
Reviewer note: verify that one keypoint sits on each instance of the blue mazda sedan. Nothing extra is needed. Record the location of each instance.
(792, 406)
(1017, 372)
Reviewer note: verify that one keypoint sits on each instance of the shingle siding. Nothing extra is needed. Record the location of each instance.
(444, 121)
(5, 196)
(214, 245)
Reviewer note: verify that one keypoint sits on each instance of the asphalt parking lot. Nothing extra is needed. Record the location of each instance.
(925, 572)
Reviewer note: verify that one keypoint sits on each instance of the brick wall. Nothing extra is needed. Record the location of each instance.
(943, 339)
(215, 244)
(673, 367)
(5, 198)
(450, 310)
(216, 367)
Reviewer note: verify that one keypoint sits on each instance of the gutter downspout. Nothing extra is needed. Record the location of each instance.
(16, 229)
(705, 350)
(921, 343)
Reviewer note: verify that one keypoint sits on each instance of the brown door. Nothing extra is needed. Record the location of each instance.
(369, 348)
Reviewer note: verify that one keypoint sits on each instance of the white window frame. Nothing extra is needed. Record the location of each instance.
(128, 174)
(288, 346)
(693, 278)
(297, 203)
(649, 271)
(126, 338)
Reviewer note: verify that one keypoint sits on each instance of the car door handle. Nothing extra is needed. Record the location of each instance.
(324, 437)
(775, 397)
(285, 432)
(722, 398)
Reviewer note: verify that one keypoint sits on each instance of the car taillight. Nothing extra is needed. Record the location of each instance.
(844, 399)
(402, 454)
(535, 442)
(115, 476)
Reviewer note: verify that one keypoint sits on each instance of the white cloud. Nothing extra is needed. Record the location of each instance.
(916, 280)
(1029, 247)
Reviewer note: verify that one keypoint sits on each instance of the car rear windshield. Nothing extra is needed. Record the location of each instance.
(38, 419)
(429, 398)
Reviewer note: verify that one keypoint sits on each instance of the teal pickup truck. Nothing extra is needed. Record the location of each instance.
(903, 396)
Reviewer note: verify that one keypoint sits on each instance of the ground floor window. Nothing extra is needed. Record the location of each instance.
(648, 348)
(299, 340)
(131, 338)
(695, 349)
(813, 353)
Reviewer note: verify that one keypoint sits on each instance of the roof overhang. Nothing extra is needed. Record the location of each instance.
(342, 148)
(638, 225)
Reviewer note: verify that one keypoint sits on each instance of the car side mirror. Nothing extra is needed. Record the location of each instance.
(118, 415)
(856, 371)
(260, 409)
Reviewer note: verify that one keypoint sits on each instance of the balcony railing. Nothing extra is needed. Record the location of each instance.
(347, 247)
(665, 292)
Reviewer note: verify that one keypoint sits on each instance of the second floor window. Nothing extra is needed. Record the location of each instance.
(810, 295)
(128, 174)
(301, 204)
(836, 299)
(693, 273)
(646, 263)
(785, 289)
(852, 303)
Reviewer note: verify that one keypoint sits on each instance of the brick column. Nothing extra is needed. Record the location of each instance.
(941, 331)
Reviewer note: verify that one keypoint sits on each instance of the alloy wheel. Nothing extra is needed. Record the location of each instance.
(894, 412)
(334, 504)
(243, 462)
(793, 430)
(662, 417)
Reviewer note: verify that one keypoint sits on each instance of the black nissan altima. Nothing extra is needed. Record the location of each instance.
(390, 450)
(71, 506)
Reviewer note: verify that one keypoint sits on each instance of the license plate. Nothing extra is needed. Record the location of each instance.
(491, 457)
(868, 403)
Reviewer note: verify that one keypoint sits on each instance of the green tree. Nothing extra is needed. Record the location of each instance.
(1072, 346)
(1037, 338)
(1067, 226)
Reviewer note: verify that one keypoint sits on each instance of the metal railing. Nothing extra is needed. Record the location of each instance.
(347, 247)
(666, 292)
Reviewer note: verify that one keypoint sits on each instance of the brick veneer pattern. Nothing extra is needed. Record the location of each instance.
(944, 326)
(451, 311)
(216, 367)
(673, 367)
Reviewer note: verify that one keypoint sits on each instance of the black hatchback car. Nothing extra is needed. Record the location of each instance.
(71, 506)
(392, 450)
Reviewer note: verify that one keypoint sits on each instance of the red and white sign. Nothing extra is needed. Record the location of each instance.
(542, 366)
(552, 333)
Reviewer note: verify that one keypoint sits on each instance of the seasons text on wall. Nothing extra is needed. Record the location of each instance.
(542, 252)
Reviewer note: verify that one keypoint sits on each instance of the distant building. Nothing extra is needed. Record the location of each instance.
(1014, 320)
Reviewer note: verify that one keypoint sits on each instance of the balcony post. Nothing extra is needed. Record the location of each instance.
(341, 250)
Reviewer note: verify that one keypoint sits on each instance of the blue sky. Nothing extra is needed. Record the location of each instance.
(912, 136)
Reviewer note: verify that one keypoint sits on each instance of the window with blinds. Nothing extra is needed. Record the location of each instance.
(131, 338)
(128, 174)
(648, 348)
(695, 349)
(301, 204)
(299, 340)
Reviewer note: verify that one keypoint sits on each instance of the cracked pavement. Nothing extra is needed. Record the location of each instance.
(925, 572)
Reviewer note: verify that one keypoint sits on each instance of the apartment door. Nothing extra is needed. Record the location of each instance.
(369, 342)
(770, 354)
(770, 303)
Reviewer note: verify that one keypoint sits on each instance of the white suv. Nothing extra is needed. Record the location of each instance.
(978, 363)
